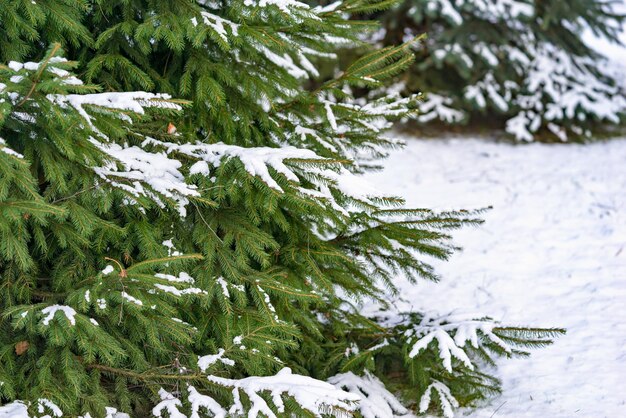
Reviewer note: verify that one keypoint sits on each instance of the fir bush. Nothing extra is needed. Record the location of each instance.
(183, 231)
(521, 65)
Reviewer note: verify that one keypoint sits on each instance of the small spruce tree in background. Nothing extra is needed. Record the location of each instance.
(183, 231)
(521, 63)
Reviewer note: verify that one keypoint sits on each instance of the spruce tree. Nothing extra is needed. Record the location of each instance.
(521, 64)
(183, 231)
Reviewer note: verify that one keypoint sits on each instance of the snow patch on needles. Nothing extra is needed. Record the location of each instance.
(224, 285)
(446, 400)
(255, 160)
(283, 61)
(284, 5)
(19, 409)
(131, 299)
(4, 148)
(258, 160)
(207, 361)
(50, 311)
(314, 396)
(180, 292)
(141, 168)
(44, 405)
(110, 412)
(218, 24)
(183, 277)
(446, 9)
(330, 115)
(198, 401)
(171, 404)
(16, 409)
(67, 77)
(161, 173)
(108, 270)
(376, 400)
(451, 334)
(134, 101)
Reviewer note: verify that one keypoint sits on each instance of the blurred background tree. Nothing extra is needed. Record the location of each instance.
(519, 65)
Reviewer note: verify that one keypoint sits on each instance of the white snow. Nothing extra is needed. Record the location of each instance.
(4, 148)
(179, 292)
(15, 409)
(465, 328)
(170, 404)
(45, 405)
(501, 9)
(131, 299)
(447, 401)
(447, 349)
(198, 401)
(330, 115)
(224, 285)
(183, 277)
(133, 101)
(551, 253)
(19, 409)
(283, 61)
(218, 24)
(50, 311)
(286, 6)
(108, 269)
(141, 167)
(447, 10)
(205, 362)
(376, 401)
(439, 107)
(51, 67)
(312, 395)
(102, 303)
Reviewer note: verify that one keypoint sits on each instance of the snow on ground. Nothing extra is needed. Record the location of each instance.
(551, 253)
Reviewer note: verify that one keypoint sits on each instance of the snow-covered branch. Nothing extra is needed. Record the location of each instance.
(376, 400)
(451, 333)
(311, 395)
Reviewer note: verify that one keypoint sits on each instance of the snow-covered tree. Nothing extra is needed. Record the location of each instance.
(522, 63)
(183, 231)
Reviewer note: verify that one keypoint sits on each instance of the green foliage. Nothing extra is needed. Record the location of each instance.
(130, 249)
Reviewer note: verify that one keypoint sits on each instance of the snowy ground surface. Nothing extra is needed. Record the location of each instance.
(551, 253)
